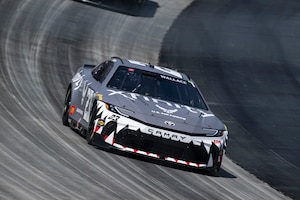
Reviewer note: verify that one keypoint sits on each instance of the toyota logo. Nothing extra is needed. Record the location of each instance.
(170, 123)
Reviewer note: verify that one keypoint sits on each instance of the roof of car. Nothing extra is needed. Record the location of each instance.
(149, 67)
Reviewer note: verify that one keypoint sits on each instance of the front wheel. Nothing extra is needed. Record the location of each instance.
(90, 132)
(214, 171)
(66, 109)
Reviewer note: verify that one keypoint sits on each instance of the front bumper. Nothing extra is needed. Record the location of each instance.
(129, 135)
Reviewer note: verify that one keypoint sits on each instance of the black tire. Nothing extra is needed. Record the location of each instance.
(214, 171)
(90, 132)
(66, 109)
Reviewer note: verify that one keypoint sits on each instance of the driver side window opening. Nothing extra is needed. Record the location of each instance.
(100, 72)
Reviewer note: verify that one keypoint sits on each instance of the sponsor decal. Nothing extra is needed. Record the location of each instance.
(100, 96)
(168, 135)
(173, 79)
(114, 117)
(101, 122)
(78, 110)
(167, 114)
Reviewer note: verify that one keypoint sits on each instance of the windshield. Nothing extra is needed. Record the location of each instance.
(158, 86)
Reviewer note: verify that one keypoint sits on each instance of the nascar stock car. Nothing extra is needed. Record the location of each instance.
(145, 109)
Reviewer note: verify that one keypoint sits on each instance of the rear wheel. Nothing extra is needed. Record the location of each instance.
(65, 114)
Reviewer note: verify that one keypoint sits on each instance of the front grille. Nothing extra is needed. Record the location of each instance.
(164, 147)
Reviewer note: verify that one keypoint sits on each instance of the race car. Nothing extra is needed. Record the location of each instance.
(145, 109)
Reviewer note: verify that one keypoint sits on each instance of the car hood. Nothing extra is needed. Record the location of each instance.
(161, 113)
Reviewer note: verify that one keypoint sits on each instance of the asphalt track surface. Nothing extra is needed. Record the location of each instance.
(44, 42)
(245, 58)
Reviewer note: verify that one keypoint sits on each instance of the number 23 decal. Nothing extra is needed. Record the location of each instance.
(89, 94)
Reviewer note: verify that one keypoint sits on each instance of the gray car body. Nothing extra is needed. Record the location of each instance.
(150, 111)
